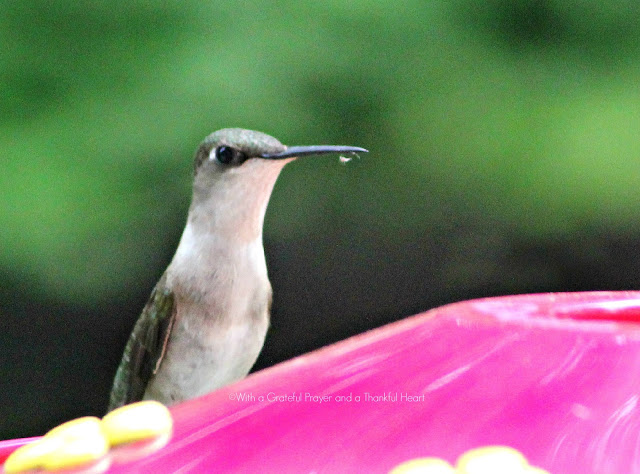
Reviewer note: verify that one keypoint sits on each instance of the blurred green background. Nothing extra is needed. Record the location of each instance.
(504, 158)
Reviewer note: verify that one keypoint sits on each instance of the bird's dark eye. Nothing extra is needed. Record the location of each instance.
(228, 155)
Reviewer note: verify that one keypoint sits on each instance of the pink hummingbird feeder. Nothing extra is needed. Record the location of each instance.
(553, 376)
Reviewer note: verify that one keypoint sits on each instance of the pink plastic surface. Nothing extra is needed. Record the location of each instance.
(556, 376)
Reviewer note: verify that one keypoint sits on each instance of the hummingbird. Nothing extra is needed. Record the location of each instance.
(207, 317)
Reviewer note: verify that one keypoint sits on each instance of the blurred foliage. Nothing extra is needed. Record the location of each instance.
(480, 117)
(525, 110)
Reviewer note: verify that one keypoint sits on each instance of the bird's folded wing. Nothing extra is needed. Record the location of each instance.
(146, 347)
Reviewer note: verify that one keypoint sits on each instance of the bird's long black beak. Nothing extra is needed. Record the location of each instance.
(312, 150)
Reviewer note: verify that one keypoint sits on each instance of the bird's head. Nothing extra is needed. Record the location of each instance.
(236, 169)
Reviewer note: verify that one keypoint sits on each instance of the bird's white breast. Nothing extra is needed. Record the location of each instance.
(222, 296)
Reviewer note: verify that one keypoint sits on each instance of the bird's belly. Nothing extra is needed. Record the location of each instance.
(198, 362)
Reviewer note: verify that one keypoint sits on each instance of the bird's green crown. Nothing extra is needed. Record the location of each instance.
(249, 142)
